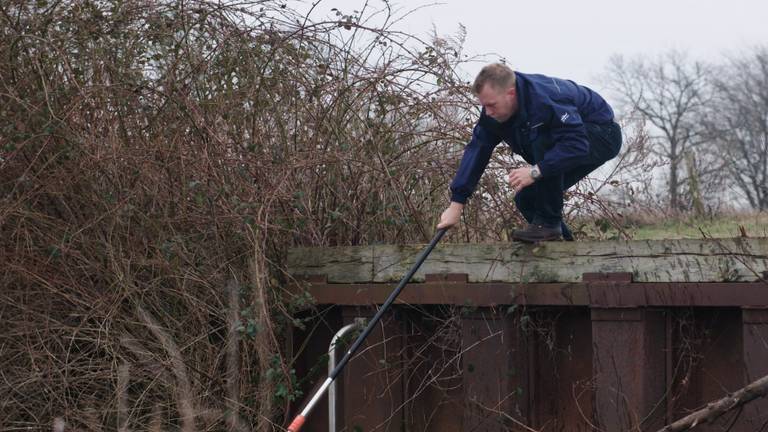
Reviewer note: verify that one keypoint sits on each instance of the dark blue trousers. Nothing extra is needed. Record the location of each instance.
(542, 202)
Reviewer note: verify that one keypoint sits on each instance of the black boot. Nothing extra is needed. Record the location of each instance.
(567, 233)
(537, 232)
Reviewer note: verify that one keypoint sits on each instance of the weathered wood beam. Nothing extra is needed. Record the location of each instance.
(689, 260)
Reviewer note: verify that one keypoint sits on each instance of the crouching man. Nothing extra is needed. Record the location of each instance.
(563, 130)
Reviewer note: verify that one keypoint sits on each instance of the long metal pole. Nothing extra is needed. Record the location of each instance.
(298, 421)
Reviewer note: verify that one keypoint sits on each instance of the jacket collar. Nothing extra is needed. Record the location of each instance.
(520, 119)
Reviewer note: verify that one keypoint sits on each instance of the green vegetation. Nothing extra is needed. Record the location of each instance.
(721, 226)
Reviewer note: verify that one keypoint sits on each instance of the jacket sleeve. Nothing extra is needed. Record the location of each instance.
(476, 156)
(570, 146)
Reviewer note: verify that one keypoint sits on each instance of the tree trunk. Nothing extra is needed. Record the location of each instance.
(674, 204)
(693, 184)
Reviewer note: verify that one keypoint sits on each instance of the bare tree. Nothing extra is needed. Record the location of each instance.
(669, 94)
(739, 124)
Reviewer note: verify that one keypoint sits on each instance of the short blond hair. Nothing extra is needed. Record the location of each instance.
(498, 75)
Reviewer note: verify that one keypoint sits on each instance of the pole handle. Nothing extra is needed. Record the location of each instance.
(297, 423)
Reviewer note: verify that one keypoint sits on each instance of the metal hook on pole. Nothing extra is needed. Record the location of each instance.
(358, 323)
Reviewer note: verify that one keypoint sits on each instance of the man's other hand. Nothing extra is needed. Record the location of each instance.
(451, 215)
(520, 178)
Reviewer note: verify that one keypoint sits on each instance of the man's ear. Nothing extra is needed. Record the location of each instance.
(511, 91)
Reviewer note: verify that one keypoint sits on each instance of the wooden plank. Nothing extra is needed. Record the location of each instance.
(628, 397)
(687, 260)
(355, 263)
(707, 345)
(561, 389)
(686, 294)
(755, 347)
(373, 384)
(432, 387)
(494, 371)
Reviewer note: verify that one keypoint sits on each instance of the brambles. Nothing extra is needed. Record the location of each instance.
(154, 154)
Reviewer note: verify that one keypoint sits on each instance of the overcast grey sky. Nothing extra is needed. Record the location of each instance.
(574, 39)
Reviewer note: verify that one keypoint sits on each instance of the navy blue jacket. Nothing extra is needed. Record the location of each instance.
(548, 130)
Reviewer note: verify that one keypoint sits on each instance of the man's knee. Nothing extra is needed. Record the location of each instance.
(524, 199)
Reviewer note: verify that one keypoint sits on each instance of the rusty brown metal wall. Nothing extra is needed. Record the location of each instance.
(606, 354)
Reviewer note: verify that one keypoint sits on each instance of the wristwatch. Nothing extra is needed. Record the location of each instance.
(535, 173)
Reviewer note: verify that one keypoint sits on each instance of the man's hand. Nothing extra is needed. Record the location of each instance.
(451, 215)
(520, 178)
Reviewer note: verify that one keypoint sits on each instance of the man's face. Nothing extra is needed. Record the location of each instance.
(498, 103)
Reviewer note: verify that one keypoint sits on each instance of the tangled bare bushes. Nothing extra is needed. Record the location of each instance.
(154, 156)
(157, 159)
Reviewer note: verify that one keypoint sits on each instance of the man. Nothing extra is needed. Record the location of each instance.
(563, 130)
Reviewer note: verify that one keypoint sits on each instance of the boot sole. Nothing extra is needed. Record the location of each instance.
(531, 241)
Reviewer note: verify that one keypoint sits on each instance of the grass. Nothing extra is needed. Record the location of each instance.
(723, 226)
